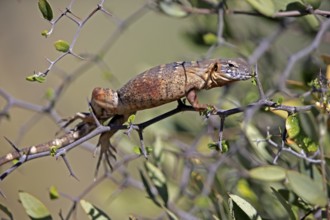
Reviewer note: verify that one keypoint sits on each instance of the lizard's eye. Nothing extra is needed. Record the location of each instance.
(232, 64)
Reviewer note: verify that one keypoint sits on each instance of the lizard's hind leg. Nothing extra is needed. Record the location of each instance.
(107, 149)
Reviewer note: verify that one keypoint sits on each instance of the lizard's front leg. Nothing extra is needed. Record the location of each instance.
(193, 100)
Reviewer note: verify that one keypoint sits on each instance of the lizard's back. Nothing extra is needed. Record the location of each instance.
(154, 87)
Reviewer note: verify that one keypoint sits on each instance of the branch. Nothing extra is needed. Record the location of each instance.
(86, 131)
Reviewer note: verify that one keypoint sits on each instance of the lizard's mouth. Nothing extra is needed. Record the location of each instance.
(236, 74)
(231, 74)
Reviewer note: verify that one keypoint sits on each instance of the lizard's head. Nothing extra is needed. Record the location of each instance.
(104, 101)
(225, 71)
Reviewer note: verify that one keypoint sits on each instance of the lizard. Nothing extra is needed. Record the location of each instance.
(154, 87)
(163, 84)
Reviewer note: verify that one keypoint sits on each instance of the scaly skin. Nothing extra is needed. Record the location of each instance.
(154, 87)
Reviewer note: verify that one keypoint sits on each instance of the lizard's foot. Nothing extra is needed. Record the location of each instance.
(107, 150)
(84, 116)
(209, 110)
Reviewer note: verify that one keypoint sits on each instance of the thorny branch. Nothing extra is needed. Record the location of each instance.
(80, 26)
(91, 132)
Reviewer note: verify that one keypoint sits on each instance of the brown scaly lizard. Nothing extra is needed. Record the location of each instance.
(154, 87)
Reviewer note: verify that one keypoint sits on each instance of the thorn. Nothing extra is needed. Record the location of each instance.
(143, 149)
(105, 11)
(2, 194)
(91, 110)
(220, 145)
(3, 175)
(77, 56)
(13, 145)
(69, 167)
(129, 130)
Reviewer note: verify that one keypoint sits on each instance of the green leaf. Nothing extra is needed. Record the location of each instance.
(155, 174)
(309, 145)
(268, 173)
(34, 78)
(312, 21)
(137, 150)
(295, 6)
(244, 189)
(34, 207)
(306, 188)
(210, 39)
(284, 203)
(171, 215)
(157, 148)
(45, 9)
(298, 135)
(279, 100)
(130, 120)
(265, 7)
(260, 147)
(53, 193)
(148, 189)
(93, 212)
(44, 33)
(158, 179)
(62, 46)
(6, 211)
(246, 207)
(292, 126)
(254, 81)
(215, 146)
(53, 150)
(174, 8)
